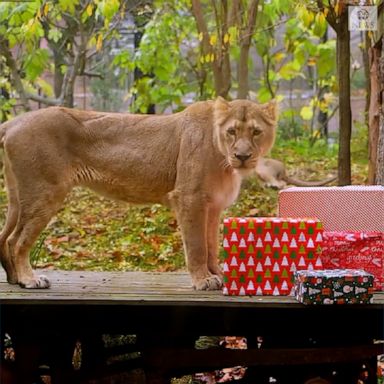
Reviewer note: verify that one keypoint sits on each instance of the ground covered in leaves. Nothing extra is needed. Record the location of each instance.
(93, 233)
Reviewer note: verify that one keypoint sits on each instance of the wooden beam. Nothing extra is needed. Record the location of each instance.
(189, 360)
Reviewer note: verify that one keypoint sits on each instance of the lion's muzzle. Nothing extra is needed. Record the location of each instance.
(242, 158)
(243, 161)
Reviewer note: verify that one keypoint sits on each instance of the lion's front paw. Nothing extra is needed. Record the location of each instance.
(35, 283)
(210, 283)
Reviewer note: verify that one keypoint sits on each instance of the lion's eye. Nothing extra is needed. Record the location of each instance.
(231, 131)
(257, 131)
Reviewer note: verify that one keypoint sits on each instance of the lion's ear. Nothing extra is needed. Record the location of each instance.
(271, 110)
(221, 104)
(221, 110)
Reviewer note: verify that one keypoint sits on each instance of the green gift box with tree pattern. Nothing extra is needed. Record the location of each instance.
(334, 286)
(261, 254)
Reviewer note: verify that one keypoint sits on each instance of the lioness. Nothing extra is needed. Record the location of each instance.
(192, 161)
(273, 173)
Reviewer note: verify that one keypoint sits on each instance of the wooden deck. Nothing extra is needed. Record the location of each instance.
(134, 288)
(125, 288)
(167, 316)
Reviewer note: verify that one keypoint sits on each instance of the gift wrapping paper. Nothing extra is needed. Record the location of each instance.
(261, 254)
(350, 208)
(337, 286)
(355, 250)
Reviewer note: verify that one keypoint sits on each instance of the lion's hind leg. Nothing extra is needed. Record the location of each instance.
(36, 208)
(10, 221)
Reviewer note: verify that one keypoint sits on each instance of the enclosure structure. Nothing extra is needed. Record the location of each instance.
(167, 317)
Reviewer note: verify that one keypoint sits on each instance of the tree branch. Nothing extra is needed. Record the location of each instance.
(216, 13)
(201, 25)
(15, 76)
(245, 44)
(91, 74)
(44, 100)
(331, 15)
(234, 15)
(250, 29)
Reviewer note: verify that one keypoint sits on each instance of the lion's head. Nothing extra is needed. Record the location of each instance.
(244, 131)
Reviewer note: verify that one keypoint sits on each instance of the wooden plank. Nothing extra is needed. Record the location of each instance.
(172, 288)
(189, 360)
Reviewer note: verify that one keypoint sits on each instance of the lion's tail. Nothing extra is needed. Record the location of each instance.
(302, 183)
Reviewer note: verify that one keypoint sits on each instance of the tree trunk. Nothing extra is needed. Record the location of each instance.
(58, 74)
(223, 61)
(374, 116)
(69, 81)
(242, 72)
(221, 64)
(345, 123)
(322, 117)
(367, 73)
(380, 144)
(68, 88)
(245, 44)
(380, 152)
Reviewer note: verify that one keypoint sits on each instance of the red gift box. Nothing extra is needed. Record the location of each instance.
(261, 253)
(350, 208)
(355, 250)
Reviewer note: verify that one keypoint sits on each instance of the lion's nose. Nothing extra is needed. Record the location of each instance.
(242, 158)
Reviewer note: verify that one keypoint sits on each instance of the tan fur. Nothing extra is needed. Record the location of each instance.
(188, 161)
(273, 174)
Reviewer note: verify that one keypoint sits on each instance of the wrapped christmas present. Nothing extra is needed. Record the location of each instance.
(336, 286)
(355, 250)
(262, 253)
(350, 208)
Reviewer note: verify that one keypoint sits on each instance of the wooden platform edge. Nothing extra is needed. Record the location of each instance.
(138, 288)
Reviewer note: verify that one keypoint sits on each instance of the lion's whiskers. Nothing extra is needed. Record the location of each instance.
(225, 164)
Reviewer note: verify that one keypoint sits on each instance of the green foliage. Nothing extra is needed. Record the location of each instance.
(359, 143)
(326, 59)
(35, 63)
(109, 98)
(66, 25)
(319, 152)
(173, 67)
(55, 35)
(306, 113)
(104, 98)
(305, 56)
(107, 8)
(290, 124)
(6, 103)
(176, 69)
(358, 80)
